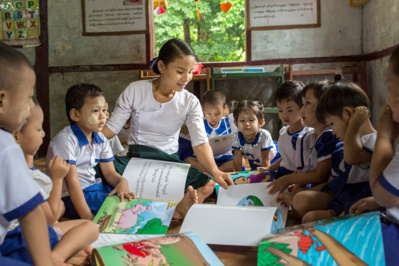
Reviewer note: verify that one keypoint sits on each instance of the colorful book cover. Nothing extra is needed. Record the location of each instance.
(138, 216)
(347, 240)
(247, 177)
(178, 249)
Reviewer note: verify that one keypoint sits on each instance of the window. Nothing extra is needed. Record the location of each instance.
(215, 37)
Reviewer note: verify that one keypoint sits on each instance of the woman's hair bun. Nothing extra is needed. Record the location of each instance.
(338, 77)
(154, 66)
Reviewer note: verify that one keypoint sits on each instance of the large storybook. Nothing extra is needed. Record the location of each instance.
(158, 186)
(178, 249)
(347, 240)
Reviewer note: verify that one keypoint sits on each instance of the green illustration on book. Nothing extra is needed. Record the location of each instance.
(138, 216)
(348, 240)
(178, 249)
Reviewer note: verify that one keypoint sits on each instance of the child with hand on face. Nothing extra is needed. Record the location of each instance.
(83, 146)
(72, 235)
(216, 124)
(313, 151)
(384, 172)
(252, 140)
(345, 108)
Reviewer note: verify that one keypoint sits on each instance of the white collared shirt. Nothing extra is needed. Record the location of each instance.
(154, 124)
(72, 146)
(18, 193)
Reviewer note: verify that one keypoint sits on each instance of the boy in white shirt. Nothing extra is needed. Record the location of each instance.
(83, 146)
(19, 201)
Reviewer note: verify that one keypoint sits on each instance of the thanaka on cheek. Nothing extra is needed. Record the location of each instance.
(92, 119)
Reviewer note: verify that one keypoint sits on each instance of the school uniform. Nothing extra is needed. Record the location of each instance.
(226, 126)
(390, 226)
(18, 196)
(263, 141)
(287, 146)
(350, 182)
(155, 127)
(72, 145)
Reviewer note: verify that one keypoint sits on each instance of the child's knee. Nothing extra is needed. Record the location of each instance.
(302, 202)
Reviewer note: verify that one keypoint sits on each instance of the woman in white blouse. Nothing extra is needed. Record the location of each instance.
(158, 108)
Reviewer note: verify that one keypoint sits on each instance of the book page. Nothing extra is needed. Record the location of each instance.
(345, 240)
(256, 194)
(176, 249)
(138, 216)
(231, 225)
(156, 180)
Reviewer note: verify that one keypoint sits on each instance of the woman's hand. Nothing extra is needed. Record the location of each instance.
(223, 179)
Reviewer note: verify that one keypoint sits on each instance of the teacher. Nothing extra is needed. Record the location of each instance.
(158, 108)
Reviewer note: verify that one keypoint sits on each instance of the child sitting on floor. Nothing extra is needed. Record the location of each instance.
(384, 177)
(312, 151)
(20, 197)
(216, 124)
(345, 107)
(82, 145)
(288, 100)
(251, 139)
(73, 235)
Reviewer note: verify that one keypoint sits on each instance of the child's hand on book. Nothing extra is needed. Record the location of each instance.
(278, 185)
(58, 168)
(122, 190)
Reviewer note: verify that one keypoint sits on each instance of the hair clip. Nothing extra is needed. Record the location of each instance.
(153, 62)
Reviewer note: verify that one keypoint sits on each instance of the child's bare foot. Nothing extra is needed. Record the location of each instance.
(80, 258)
(205, 191)
(184, 205)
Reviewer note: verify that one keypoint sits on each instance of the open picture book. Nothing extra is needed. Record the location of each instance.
(247, 177)
(177, 249)
(158, 186)
(345, 240)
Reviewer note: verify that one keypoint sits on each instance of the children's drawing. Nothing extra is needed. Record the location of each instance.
(349, 240)
(250, 201)
(137, 216)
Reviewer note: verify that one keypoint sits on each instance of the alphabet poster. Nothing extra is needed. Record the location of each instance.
(19, 22)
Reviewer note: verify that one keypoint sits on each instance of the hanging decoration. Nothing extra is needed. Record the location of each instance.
(159, 10)
(196, 8)
(225, 7)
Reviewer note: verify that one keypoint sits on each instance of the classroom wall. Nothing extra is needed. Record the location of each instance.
(359, 30)
(380, 31)
(339, 35)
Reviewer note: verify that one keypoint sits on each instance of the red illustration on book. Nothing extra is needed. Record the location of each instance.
(306, 241)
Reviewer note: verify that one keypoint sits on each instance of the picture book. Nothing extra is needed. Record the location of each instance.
(247, 177)
(158, 187)
(178, 249)
(138, 216)
(232, 225)
(346, 240)
(255, 194)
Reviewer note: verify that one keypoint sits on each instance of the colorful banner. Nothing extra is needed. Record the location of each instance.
(19, 22)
